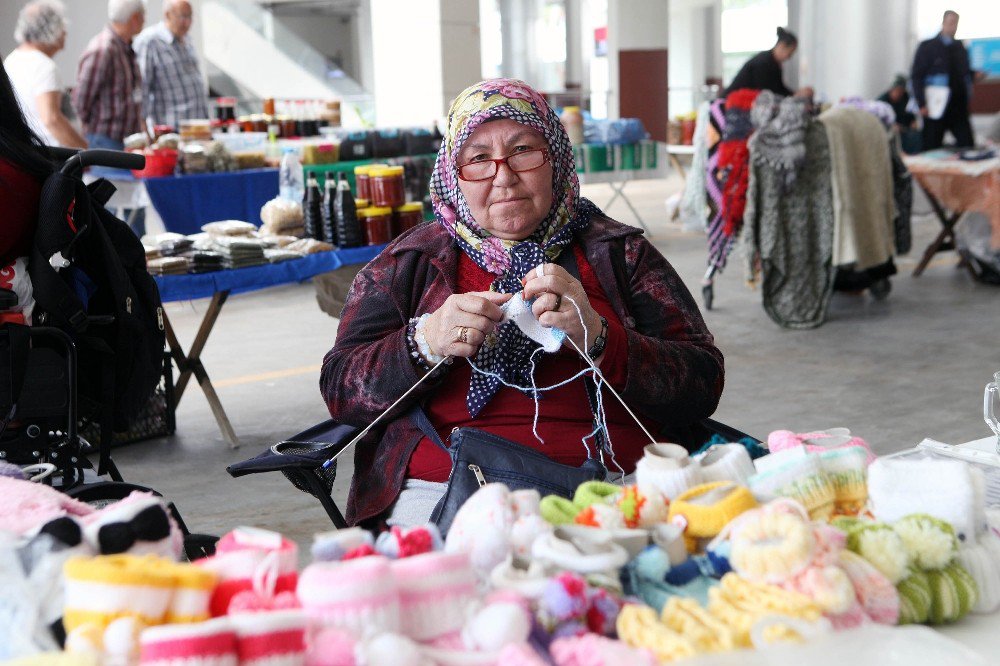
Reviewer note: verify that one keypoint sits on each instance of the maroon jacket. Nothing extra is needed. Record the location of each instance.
(675, 371)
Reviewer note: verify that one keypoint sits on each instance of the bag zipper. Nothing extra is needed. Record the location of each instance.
(474, 468)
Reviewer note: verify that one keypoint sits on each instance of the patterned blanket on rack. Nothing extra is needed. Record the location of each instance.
(719, 244)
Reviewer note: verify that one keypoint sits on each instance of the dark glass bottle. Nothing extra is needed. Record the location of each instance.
(347, 227)
(329, 215)
(312, 209)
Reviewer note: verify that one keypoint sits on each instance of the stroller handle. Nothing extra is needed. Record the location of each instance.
(115, 159)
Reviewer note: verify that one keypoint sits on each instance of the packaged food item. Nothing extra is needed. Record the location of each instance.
(193, 158)
(196, 129)
(281, 217)
(229, 228)
(308, 246)
(386, 185)
(362, 179)
(252, 160)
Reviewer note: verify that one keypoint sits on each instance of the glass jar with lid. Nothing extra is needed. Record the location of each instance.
(408, 216)
(386, 185)
(376, 224)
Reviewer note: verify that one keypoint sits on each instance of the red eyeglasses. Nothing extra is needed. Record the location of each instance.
(526, 160)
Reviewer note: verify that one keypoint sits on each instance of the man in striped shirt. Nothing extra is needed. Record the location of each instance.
(108, 95)
(172, 84)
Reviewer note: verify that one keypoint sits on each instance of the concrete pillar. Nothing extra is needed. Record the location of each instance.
(520, 60)
(574, 44)
(850, 47)
(424, 52)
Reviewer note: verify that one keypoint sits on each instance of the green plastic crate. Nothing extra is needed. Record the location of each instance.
(650, 154)
(598, 157)
(629, 156)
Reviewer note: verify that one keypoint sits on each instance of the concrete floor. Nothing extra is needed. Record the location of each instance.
(896, 371)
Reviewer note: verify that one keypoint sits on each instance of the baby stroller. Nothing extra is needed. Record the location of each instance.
(300, 458)
(40, 365)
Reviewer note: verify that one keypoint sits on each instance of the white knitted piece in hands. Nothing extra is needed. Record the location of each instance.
(519, 311)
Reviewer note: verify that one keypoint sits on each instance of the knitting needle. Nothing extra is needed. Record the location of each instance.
(360, 435)
(593, 366)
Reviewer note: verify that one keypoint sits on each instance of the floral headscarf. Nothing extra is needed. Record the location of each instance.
(509, 356)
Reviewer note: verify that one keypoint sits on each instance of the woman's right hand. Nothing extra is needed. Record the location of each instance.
(460, 326)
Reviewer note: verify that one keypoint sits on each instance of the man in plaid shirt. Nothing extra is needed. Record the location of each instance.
(172, 85)
(108, 95)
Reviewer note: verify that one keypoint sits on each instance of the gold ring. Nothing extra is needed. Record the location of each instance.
(463, 335)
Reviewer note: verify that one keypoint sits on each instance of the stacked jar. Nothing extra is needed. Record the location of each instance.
(407, 216)
(386, 186)
(362, 179)
(376, 224)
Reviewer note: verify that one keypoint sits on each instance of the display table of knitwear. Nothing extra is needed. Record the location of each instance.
(954, 187)
(218, 285)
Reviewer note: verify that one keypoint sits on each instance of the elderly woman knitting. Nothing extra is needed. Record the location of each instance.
(510, 223)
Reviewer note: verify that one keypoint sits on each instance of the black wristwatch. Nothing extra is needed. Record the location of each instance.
(598, 347)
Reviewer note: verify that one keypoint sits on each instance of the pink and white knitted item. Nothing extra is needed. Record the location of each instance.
(118, 528)
(818, 441)
(274, 638)
(210, 643)
(409, 541)
(360, 595)
(594, 650)
(877, 596)
(246, 553)
(436, 592)
(330, 646)
(27, 506)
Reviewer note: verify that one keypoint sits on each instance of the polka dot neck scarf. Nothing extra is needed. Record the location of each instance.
(508, 355)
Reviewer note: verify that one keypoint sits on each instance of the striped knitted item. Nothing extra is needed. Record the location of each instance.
(876, 594)
(273, 638)
(193, 587)
(239, 559)
(360, 595)
(210, 643)
(435, 592)
(101, 589)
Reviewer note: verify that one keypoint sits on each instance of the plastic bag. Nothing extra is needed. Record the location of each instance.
(620, 131)
(972, 236)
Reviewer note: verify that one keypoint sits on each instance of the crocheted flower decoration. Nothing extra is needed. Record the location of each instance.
(564, 598)
(602, 612)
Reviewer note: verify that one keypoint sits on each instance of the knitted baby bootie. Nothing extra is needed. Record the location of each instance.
(798, 474)
(343, 544)
(245, 554)
(704, 510)
(360, 596)
(209, 643)
(726, 462)
(272, 638)
(436, 591)
(666, 470)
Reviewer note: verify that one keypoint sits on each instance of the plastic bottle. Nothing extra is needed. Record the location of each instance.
(329, 214)
(346, 215)
(312, 209)
(290, 183)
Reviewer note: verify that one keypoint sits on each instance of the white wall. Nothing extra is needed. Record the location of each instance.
(333, 36)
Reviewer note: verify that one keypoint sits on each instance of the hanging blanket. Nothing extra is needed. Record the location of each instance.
(734, 158)
(788, 233)
(863, 204)
(693, 203)
(719, 244)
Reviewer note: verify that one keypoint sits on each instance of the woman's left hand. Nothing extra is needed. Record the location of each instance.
(553, 291)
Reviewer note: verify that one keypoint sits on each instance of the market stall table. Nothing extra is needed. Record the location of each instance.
(218, 286)
(954, 187)
(618, 178)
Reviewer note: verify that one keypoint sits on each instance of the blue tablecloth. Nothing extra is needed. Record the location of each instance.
(187, 202)
(239, 280)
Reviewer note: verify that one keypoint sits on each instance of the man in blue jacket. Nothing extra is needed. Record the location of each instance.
(943, 61)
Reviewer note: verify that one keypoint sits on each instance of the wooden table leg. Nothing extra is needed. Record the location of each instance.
(189, 363)
(947, 235)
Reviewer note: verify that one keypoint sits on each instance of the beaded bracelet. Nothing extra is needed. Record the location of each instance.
(420, 351)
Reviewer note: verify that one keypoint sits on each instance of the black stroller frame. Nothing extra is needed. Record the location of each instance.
(45, 413)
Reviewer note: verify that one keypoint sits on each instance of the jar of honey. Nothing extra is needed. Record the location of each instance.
(376, 224)
(407, 216)
(361, 182)
(386, 185)
(362, 203)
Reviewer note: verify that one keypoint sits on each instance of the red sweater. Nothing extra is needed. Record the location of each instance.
(19, 194)
(564, 415)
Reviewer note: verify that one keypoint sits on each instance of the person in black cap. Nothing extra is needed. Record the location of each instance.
(763, 71)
